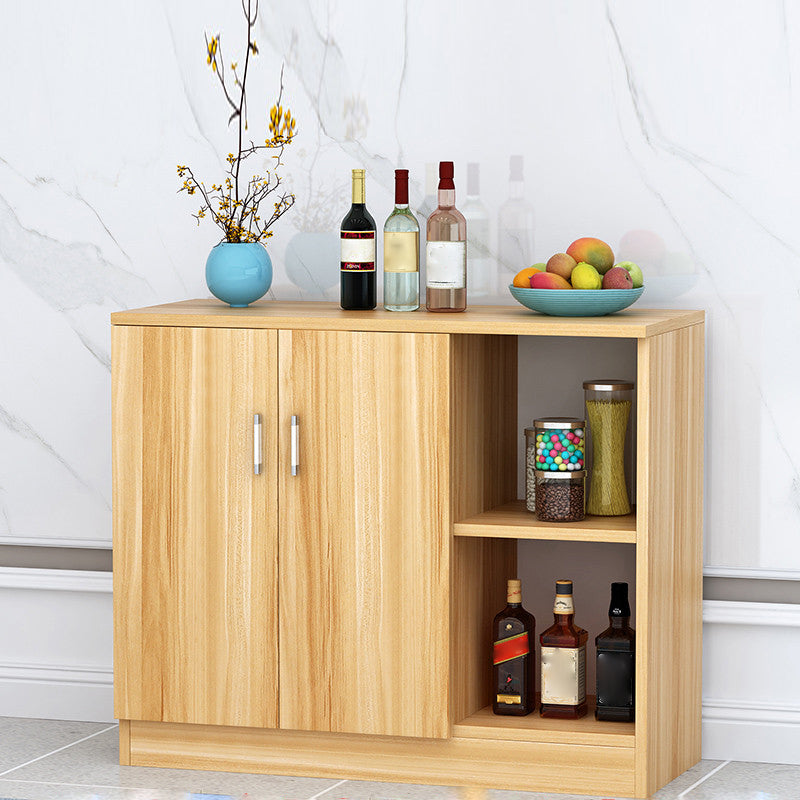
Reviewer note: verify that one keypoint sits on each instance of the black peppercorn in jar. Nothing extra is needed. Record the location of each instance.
(560, 496)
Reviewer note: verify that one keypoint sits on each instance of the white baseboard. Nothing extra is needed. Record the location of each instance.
(751, 699)
(44, 691)
(56, 654)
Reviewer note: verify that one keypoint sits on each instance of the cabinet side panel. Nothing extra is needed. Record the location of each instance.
(484, 457)
(483, 422)
(126, 469)
(195, 528)
(669, 556)
(364, 527)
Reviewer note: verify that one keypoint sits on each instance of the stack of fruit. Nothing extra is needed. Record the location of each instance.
(587, 264)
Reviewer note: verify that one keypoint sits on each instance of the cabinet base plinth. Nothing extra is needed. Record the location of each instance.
(489, 763)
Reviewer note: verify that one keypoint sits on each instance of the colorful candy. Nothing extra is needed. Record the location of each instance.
(560, 449)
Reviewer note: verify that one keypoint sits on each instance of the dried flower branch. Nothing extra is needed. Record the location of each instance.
(234, 207)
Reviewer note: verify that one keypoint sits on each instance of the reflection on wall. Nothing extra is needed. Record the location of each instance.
(653, 150)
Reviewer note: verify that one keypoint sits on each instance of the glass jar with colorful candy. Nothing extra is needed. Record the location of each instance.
(560, 444)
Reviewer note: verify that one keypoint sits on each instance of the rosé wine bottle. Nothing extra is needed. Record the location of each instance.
(446, 249)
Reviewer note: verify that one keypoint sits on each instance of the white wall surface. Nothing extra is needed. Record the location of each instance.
(677, 120)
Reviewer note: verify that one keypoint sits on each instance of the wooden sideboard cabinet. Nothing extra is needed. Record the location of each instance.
(333, 619)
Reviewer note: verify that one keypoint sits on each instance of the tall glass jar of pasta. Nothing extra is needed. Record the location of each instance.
(608, 407)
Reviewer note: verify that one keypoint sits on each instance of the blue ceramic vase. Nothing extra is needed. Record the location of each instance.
(238, 273)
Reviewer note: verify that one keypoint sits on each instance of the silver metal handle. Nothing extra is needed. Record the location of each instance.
(295, 449)
(256, 444)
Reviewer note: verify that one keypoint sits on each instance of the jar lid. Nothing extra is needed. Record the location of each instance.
(560, 474)
(551, 423)
(608, 385)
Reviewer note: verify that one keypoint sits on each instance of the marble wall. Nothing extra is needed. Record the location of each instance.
(669, 130)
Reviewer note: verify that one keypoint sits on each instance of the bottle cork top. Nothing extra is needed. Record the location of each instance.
(514, 592)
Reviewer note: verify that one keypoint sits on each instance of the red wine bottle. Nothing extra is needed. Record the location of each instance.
(513, 631)
(357, 280)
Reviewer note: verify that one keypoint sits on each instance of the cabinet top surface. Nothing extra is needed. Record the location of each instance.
(633, 323)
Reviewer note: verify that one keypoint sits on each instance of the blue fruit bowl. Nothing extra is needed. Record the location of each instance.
(576, 302)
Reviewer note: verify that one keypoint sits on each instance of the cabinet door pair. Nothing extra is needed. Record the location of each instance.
(315, 601)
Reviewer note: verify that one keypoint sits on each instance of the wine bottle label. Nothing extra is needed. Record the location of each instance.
(510, 699)
(401, 251)
(563, 604)
(446, 264)
(358, 251)
(513, 647)
(564, 675)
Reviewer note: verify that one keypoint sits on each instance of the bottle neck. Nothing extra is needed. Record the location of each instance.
(516, 189)
(620, 622)
(400, 206)
(514, 605)
(358, 192)
(447, 198)
(564, 620)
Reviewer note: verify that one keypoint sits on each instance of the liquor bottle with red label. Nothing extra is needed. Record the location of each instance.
(358, 287)
(514, 635)
(563, 654)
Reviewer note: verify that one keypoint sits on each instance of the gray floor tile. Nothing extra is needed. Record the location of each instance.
(744, 781)
(376, 790)
(683, 782)
(18, 790)
(24, 739)
(96, 763)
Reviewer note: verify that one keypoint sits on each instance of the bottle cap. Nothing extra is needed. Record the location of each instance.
(473, 179)
(514, 592)
(619, 601)
(401, 187)
(446, 175)
(515, 165)
(430, 178)
(563, 587)
(359, 173)
(608, 385)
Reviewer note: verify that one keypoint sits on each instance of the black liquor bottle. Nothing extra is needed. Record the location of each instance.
(513, 632)
(616, 661)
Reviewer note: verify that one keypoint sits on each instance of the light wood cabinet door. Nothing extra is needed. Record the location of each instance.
(365, 533)
(195, 530)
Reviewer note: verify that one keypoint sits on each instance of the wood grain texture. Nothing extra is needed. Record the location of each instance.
(485, 724)
(633, 323)
(195, 531)
(483, 420)
(669, 556)
(525, 766)
(364, 533)
(514, 521)
(125, 742)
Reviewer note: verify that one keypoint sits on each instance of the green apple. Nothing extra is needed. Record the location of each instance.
(635, 272)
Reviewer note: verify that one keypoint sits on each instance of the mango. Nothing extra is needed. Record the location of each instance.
(561, 264)
(617, 278)
(592, 251)
(585, 276)
(549, 280)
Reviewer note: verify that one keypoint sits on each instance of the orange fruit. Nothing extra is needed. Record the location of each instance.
(523, 278)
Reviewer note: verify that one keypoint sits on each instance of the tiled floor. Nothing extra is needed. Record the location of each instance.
(48, 760)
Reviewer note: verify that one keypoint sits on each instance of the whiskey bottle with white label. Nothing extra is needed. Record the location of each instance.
(563, 653)
(513, 632)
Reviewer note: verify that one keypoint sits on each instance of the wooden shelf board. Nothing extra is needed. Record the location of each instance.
(514, 521)
(484, 724)
(513, 320)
